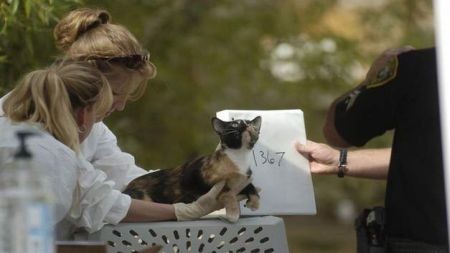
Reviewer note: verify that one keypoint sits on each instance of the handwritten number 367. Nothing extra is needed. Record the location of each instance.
(268, 158)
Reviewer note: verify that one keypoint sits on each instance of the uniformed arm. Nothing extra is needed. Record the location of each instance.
(364, 163)
(332, 133)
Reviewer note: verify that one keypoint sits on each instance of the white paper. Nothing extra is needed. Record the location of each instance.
(278, 169)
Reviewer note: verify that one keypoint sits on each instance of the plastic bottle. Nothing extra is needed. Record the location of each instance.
(26, 210)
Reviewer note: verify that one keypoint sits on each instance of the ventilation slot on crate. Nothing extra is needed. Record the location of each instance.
(253, 234)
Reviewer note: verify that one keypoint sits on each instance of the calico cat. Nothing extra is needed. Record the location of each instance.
(230, 162)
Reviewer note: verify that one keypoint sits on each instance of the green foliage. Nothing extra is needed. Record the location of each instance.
(26, 35)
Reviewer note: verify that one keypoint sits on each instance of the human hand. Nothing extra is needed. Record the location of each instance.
(208, 202)
(204, 205)
(322, 158)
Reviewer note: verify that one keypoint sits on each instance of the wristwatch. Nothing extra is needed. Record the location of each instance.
(342, 167)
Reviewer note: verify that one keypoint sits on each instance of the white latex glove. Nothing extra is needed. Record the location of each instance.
(206, 204)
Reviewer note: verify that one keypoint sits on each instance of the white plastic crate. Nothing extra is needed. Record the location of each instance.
(251, 234)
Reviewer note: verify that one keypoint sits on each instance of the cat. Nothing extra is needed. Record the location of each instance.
(230, 162)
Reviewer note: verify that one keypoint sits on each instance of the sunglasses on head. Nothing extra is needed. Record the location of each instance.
(134, 61)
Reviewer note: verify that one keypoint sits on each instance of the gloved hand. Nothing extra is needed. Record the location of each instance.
(205, 204)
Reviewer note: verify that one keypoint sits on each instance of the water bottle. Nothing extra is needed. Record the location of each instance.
(26, 210)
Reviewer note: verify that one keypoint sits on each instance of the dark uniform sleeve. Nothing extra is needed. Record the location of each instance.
(370, 110)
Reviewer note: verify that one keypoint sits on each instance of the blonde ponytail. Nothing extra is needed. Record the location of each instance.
(51, 96)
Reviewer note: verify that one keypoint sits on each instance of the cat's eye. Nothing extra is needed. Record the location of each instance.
(234, 124)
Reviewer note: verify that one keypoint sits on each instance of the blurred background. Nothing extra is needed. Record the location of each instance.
(237, 54)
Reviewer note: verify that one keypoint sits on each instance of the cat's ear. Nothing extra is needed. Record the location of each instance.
(218, 125)
(256, 122)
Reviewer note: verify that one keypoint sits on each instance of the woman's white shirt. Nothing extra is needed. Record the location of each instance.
(101, 149)
(84, 196)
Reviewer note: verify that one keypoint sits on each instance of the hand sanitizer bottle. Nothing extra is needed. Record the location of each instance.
(26, 210)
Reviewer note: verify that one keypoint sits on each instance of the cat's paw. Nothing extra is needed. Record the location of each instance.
(253, 202)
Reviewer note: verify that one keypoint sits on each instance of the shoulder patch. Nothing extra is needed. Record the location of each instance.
(350, 99)
(385, 74)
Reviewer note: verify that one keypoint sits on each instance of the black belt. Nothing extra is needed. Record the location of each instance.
(409, 246)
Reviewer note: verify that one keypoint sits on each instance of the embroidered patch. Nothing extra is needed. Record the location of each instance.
(385, 74)
(350, 99)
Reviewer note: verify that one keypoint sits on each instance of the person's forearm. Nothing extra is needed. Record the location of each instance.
(369, 163)
(141, 211)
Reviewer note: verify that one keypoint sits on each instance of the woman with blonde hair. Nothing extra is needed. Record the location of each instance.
(88, 35)
(65, 98)
(63, 102)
